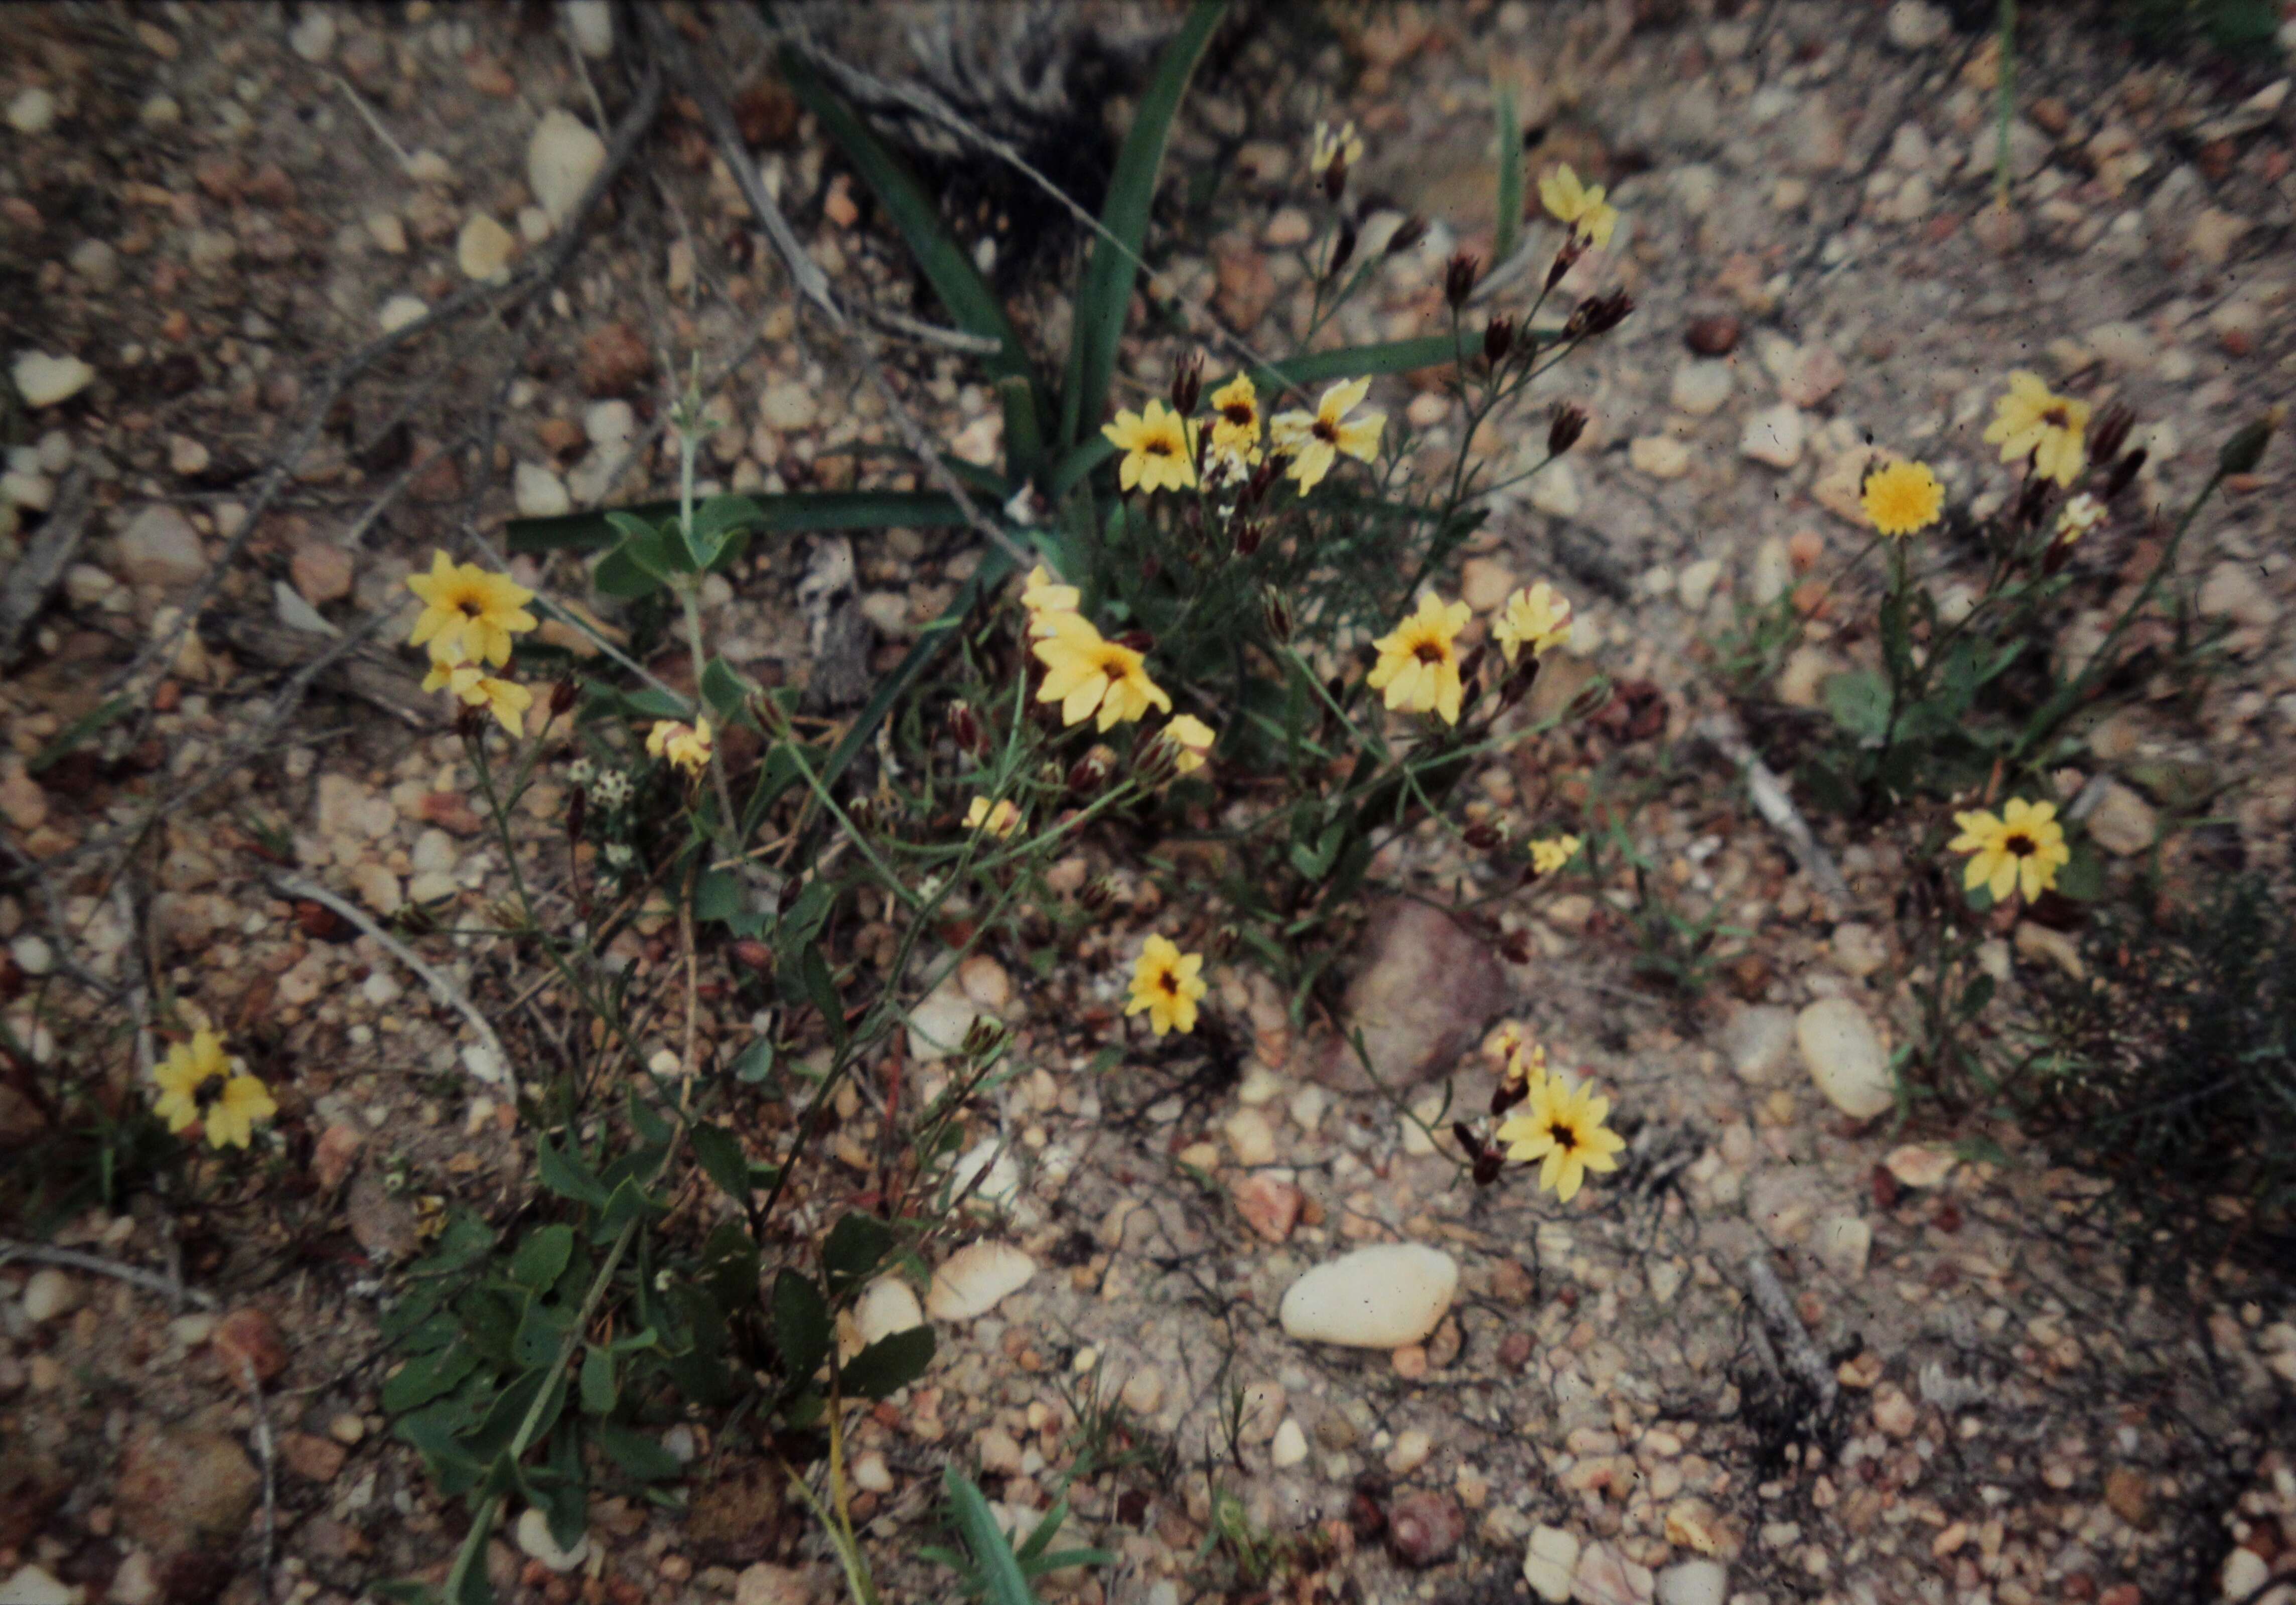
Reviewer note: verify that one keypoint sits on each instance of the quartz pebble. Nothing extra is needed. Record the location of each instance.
(43, 381)
(534, 1538)
(976, 1279)
(1548, 1563)
(1382, 1297)
(49, 1293)
(1775, 435)
(1845, 1057)
(561, 158)
(1694, 1583)
(886, 1307)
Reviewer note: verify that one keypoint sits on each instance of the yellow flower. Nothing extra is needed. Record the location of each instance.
(1902, 497)
(1314, 441)
(1526, 1067)
(1235, 421)
(1159, 448)
(1551, 855)
(1083, 672)
(1043, 598)
(1418, 665)
(687, 746)
(1000, 819)
(197, 1082)
(1191, 741)
(1537, 618)
(1562, 1127)
(1167, 983)
(2021, 849)
(2030, 418)
(1342, 146)
(1579, 206)
(468, 614)
(2082, 515)
(506, 700)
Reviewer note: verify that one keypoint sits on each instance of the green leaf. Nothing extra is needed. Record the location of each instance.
(798, 512)
(1000, 1569)
(566, 1174)
(1510, 137)
(802, 1329)
(600, 1388)
(890, 1364)
(726, 693)
(1024, 430)
(1106, 292)
(719, 1152)
(541, 1259)
(1353, 362)
(1859, 701)
(821, 991)
(2081, 877)
(946, 265)
(717, 895)
(858, 1245)
(1976, 996)
(1076, 466)
(67, 739)
(716, 520)
(755, 1062)
(433, 1376)
(637, 1455)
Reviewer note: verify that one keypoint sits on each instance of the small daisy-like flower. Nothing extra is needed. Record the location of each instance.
(1340, 146)
(2020, 849)
(1538, 618)
(1553, 853)
(614, 788)
(1000, 818)
(1191, 741)
(1159, 448)
(469, 614)
(506, 700)
(1043, 598)
(1526, 1067)
(1314, 441)
(581, 773)
(1500, 1043)
(1579, 206)
(1902, 497)
(198, 1083)
(2032, 418)
(1563, 1128)
(619, 856)
(684, 746)
(2082, 515)
(1418, 665)
(1167, 983)
(1084, 673)
(1236, 422)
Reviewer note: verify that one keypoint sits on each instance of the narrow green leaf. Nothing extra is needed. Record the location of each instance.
(802, 1330)
(1107, 289)
(1510, 135)
(726, 693)
(1076, 466)
(565, 1173)
(755, 1062)
(71, 736)
(796, 513)
(858, 1245)
(946, 264)
(821, 991)
(1000, 1569)
(890, 1364)
(719, 1151)
(433, 1376)
(599, 1387)
(1024, 431)
(638, 1455)
(542, 1258)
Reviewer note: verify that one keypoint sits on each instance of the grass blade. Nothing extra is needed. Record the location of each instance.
(782, 515)
(946, 264)
(1392, 357)
(1000, 1571)
(1510, 174)
(1108, 280)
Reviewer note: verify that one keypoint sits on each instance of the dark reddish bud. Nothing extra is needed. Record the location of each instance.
(1248, 534)
(1343, 248)
(561, 698)
(1278, 611)
(2033, 501)
(1565, 259)
(792, 890)
(1569, 422)
(1459, 278)
(1482, 836)
(1410, 233)
(2123, 473)
(1498, 338)
(318, 922)
(1188, 383)
(1090, 773)
(1271, 468)
(1598, 315)
(577, 812)
(964, 725)
(469, 723)
(2055, 558)
(1097, 897)
(1518, 681)
(1516, 945)
(1474, 665)
(2111, 432)
(1488, 1164)
(1507, 1093)
(1335, 177)
(753, 953)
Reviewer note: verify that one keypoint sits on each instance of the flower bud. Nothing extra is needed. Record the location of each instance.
(1409, 233)
(1566, 260)
(2245, 450)
(1090, 773)
(1276, 608)
(793, 889)
(2033, 501)
(1518, 682)
(2123, 473)
(1248, 534)
(1097, 896)
(964, 725)
(1569, 423)
(1598, 315)
(1188, 383)
(1498, 338)
(469, 724)
(1459, 278)
(562, 697)
(753, 953)
(2111, 432)
(1335, 177)
(985, 1037)
(1343, 248)
(1474, 665)
(1487, 1165)
(1510, 1091)
(1481, 835)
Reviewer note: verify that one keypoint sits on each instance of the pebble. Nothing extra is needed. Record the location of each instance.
(48, 1293)
(976, 1279)
(1409, 1452)
(769, 1584)
(539, 493)
(1290, 1446)
(533, 1533)
(1694, 1583)
(1842, 1244)
(788, 406)
(1696, 584)
(1845, 1057)
(399, 311)
(249, 1336)
(1287, 228)
(939, 1022)
(388, 233)
(1859, 949)
(378, 887)
(871, 1474)
(313, 37)
(1775, 435)
(1484, 583)
(1701, 388)
(2122, 823)
(484, 249)
(182, 1489)
(2213, 234)
(1757, 1040)
(984, 981)
(1251, 1137)
(2231, 591)
(1269, 1206)
(1548, 1563)
(1921, 1164)
(2046, 945)
(886, 1305)
(29, 1586)
(160, 548)
(32, 111)
(1604, 1576)
(1423, 1528)
(561, 158)
(1809, 375)
(2245, 1573)
(590, 24)
(1382, 1297)
(1914, 25)
(43, 381)
(1660, 456)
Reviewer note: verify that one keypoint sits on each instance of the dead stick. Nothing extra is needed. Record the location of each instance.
(1785, 1323)
(150, 1282)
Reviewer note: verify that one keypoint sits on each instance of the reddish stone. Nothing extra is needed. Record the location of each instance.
(1424, 989)
(1514, 1350)
(334, 1154)
(1270, 1207)
(1715, 336)
(614, 361)
(307, 1455)
(450, 813)
(1425, 1528)
(249, 1335)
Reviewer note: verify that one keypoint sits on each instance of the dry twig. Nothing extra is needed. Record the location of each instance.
(1722, 732)
(40, 570)
(1800, 1359)
(150, 1282)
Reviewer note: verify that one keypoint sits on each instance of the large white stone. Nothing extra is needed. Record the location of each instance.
(886, 1305)
(1383, 1297)
(976, 1279)
(29, 1586)
(159, 547)
(1549, 1562)
(590, 24)
(1846, 1059)
(484, 247)
(534, 1538)
(1775, 435)
(561, 160)
(938, 1025)
(539, 492)
(43, 381)
(1694, 1583)
(1757, 1040)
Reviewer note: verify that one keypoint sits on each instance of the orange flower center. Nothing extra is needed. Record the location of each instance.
(2020, 845)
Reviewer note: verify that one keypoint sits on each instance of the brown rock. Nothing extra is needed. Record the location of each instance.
(1246, 283)
(334, 1155)
(614, 361)
(1270, 1207)
(561, 438)
(1424, 989)
(20, 1119)
(307, 1455)
(249, 1335)
(381, 1221)
(451, 812)
(182, 1492)
(1425, 1528)
(322, 572)
(2130, 1495)
(1715, 336)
